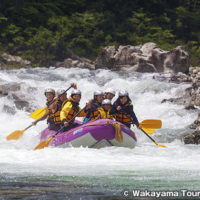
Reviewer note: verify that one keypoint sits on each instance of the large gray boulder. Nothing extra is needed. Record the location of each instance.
(7, 59)
(144, 58)
(8, 87)
(73, 63)
(12, 92)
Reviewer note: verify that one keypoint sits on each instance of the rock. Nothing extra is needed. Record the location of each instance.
(196, 123)
(145, 58)
(20, 102)
(11, 91)
(193, 138)
(189, 139)
(6, 88)
(185, 99)
(73, 61)
(180, 78)
(9, 109)
(70, 63)
(7, 59)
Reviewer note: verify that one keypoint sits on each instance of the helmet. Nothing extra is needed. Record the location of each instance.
(106, 101)
(74, 92)
(110, 90)
(123, 93)
(59, 92)
(98, 92)
(50, 90)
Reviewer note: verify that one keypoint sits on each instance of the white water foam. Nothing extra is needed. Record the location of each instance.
(18, 157)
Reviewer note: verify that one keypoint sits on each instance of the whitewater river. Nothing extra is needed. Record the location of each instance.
(83, 173)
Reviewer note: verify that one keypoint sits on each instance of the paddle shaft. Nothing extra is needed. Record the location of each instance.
(28, 127)
(148, 136)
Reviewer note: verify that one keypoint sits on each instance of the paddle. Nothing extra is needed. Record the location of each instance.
(17, 134)
(149, 125)
(37, 114)
(153, 139)
(45, 143)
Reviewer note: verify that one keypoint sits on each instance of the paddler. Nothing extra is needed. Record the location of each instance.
(104, 110)
(93, 105)
(70, 109)
(52, 113)
(109, 94)
(123, 110)
(62, 100)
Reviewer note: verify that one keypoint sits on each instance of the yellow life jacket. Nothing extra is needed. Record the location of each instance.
(63, 103)
(70, 109)
(104, 114)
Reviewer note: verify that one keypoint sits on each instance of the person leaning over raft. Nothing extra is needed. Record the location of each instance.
(123, 110)
(70, 109)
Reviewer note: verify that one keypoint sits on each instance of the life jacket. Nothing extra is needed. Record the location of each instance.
(104, 114)
(73, 110)
(93, 113)
(54, 117)
(49, 116)
(122, 117)
(63, 103)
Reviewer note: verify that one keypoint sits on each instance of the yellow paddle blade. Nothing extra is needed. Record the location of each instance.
(43, 144)
(15, 135)
(160, 145)
(149, 130)
(151, 123)
(37, 114)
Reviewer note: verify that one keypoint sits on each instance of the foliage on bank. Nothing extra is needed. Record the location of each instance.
(43, 31)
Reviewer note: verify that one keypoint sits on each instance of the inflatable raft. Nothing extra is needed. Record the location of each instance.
(96, 134)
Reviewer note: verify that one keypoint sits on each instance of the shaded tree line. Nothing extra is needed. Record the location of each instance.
(43, 30)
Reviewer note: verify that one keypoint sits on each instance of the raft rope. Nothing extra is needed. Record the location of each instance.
(116, 125)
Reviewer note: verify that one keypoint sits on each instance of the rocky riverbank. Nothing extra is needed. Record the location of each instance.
(143, 58)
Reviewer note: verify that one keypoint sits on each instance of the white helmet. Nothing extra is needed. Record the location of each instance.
(110, 90)
(98, 92)
(59, 92)
(123, 93)
(106, 101)
(50, 90)
(75, 92)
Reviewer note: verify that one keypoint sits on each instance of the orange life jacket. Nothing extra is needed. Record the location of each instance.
(123, 117)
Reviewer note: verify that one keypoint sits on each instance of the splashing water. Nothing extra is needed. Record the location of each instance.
(107, 170)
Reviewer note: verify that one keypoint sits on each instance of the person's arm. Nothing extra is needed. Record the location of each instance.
(41, 119)
(133, 116)
(113, 109)
(64, 112)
